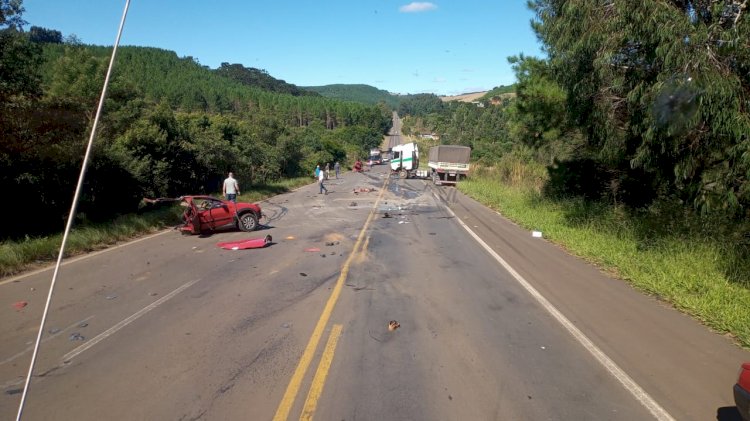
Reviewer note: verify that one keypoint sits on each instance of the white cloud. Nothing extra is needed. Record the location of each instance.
(416, 7)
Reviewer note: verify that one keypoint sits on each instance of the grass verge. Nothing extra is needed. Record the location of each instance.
(16, 256)
(697, 273)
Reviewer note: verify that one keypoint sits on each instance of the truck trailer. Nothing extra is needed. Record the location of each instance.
(448, 163)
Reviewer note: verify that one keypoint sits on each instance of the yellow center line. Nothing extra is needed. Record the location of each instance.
(319, 381)
(282, 412)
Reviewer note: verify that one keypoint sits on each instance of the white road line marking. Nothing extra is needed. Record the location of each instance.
(79, 258)
(109, 332)
(50, 337)
(637, 391)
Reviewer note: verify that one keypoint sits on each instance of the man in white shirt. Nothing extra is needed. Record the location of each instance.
(231, 188)
(321, 179)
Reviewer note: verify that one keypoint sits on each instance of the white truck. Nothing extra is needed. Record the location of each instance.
(375, 156)
(448, 163)
(405, 159)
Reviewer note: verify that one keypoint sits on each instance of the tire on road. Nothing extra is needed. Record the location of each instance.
(248, 221)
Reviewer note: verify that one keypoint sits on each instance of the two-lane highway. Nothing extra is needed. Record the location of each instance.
(172, 327)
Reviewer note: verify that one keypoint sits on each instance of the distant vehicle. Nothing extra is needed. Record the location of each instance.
(448, 163)
(206, 213)
(405, 160)
(742, 392)
(375, 156)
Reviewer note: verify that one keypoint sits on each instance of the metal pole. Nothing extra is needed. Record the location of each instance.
(71, 216)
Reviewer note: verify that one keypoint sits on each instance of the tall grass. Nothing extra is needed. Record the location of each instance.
(16, 256)
(699, 269)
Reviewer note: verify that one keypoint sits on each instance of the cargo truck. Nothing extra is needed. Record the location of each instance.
(405, 160)
(375, 156)
(448, 163)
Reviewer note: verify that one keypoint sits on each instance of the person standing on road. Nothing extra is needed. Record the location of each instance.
(337, 169)
(317, 171)
(321, 180)
(231, 188)
(328, 170)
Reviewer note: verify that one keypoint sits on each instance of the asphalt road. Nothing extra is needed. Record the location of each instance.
(172, 327)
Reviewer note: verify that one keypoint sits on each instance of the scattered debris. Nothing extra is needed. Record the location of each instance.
(322, 255)
(13, 391)
(433, 233)
(111, 297)
(252, 243)
(544, 347)
(302, 274)
(20, 304)
(286, 325)
(536, 234)
(53, 330)
(291, 237)
(83, 324)
(312, 249)
(330, 243)
(364, 190)
(353, 204)
(33, 289)
(386, 215)
(333, 253)
(393, 325)
(153, 294)
(76, 337)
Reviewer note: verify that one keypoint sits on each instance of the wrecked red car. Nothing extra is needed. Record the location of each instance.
(206, 213)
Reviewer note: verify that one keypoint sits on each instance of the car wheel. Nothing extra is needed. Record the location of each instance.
(248, 221)
(403, 174)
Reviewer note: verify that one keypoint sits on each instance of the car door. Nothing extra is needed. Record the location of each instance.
(222, 213)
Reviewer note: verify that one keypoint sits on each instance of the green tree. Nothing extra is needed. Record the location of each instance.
(659, 89)
(10, 14)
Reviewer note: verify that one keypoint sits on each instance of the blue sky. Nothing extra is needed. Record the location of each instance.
(444, 46)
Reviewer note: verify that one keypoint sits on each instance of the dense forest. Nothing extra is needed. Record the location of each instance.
(170, 126)
(644, 105)
(364, 94)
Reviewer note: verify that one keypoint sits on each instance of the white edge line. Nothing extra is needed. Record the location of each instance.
(104, 335)
(47, 338)
(79, 258)
(644, 398)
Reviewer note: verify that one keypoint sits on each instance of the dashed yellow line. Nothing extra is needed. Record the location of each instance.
(319, 381)
(285, 406)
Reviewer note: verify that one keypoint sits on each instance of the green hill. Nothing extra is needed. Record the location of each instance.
(259, 78)
(364, 94)
(500, 91)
